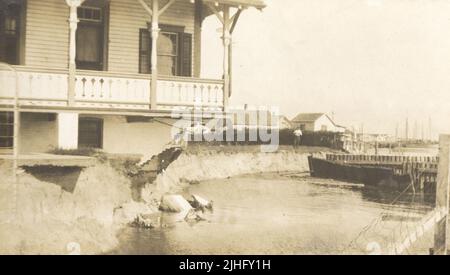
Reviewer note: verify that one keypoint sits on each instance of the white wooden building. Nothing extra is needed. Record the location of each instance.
(316, 122)
(96, 73)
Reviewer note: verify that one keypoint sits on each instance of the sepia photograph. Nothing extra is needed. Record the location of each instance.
(224, 128)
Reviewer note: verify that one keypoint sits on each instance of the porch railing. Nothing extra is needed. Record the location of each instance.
(49, 87)
(189, 92)
(35, 86)
(111, 90)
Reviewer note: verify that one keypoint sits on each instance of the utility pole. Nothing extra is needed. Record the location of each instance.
(407, 129)
(429, 129)
(362, 138)
(415, 137)
(422, 134)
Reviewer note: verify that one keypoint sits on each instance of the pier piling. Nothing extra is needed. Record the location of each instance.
(441, 236)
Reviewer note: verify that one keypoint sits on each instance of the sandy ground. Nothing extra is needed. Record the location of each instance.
(63, 211)
(46, 211)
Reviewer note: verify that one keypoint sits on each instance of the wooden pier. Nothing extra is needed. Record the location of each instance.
(421, 169)
(439, 218)
(380, 159)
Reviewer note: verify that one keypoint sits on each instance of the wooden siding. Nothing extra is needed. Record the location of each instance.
(126, 18)
(47, 33)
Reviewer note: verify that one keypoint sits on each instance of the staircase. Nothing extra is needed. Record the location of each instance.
(161, 161)
(157, 164)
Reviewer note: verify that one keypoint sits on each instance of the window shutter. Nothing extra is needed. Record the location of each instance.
(184, 60)
(145, 49)
(150, 47)
(186, 55)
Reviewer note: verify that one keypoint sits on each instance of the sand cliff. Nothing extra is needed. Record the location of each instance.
(40, 217)
(80, 210)
(196, 166)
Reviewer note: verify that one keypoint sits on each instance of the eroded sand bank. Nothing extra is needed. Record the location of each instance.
(81, 210)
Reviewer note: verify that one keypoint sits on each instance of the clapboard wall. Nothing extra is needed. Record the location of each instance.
(126, 18)
(47, 32)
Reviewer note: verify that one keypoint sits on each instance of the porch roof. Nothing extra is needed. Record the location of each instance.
(259, 4)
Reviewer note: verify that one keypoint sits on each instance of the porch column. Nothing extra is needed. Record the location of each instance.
(154, 62)
(226, 37)
(67, 128)
(234, 20)
(73, 24)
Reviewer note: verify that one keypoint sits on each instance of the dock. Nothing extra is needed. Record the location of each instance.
(421, 169)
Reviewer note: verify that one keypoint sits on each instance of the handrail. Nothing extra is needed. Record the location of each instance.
(38, 69)
(20, 68)
(191, 79)
(111, 74)
(148, 76)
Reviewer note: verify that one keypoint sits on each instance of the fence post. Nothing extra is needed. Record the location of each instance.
(441, 236)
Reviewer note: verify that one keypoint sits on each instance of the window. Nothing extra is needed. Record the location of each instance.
(10, 22)
(324, 128)
(168, 53)
(302, 127)
(90, 38)
(6, 130)
(90, 133)
(174, 52)
(90, 14)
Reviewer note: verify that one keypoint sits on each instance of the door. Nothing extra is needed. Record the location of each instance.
(90, 38)
(90, 133)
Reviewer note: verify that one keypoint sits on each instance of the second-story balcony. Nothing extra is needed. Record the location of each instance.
(48, 88)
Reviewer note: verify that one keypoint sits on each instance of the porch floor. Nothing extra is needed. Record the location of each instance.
(42, 159)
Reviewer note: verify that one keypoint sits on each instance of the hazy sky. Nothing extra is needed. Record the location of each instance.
(369, 61)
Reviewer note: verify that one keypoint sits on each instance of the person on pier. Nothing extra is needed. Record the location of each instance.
(297, 137)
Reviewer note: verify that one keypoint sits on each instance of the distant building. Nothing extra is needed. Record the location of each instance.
(372, 138)
(253, 117)
(316, 122)
(284, 123)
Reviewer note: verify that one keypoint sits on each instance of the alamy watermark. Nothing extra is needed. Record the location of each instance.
(258, 124)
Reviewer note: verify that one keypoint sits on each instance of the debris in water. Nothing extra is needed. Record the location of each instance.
(194, 216)
(200, 203)
(175, 204)
(147, 221)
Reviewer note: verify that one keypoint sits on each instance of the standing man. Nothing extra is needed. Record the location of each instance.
(297, 137)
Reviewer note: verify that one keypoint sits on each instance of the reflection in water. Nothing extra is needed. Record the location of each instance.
(284, 214)
(387, 197)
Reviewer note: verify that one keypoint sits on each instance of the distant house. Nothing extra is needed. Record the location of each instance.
(316, 122)
(253, 119)
(284, 123)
